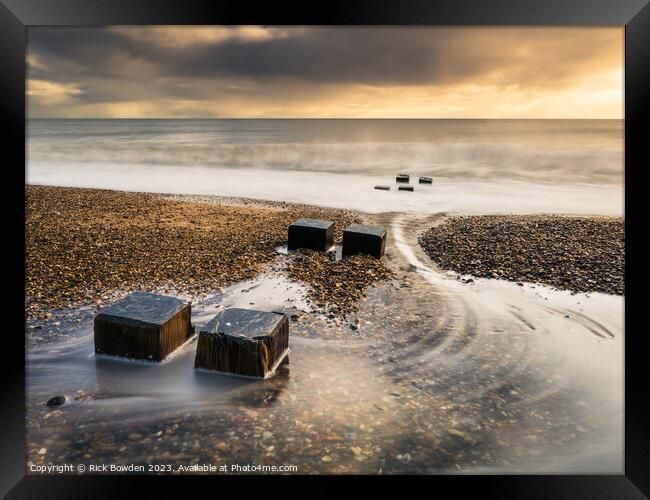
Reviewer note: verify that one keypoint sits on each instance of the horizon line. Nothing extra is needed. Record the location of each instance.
(293, 118)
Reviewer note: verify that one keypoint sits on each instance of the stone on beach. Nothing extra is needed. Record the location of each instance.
(425, 180)
(403, 178)
(383, 188)
(408, 187)
(143, 326)
(56, 400)
(243, 342)
(313, 234)
(360, 238)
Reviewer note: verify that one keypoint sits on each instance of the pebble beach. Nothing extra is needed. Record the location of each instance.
(580, 254)
(82, 245)
(395, 367)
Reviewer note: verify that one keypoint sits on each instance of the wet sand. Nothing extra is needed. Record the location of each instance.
(466, 194)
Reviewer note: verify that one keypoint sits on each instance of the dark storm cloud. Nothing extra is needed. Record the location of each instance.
(324, 55)
(334, 55)
(138, 63)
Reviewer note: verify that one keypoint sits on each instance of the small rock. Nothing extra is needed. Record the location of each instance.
(56, 400)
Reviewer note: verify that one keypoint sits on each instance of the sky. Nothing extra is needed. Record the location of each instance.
(325, 72)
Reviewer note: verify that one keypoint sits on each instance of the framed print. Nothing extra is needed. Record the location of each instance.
(381, 240)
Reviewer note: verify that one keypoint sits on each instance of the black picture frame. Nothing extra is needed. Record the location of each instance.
(17, 15)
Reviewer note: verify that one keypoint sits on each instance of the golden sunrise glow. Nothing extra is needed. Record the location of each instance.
(250, 71)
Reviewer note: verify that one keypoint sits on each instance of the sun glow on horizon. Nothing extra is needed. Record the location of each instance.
(317, 72)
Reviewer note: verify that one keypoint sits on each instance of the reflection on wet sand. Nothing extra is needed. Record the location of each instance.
(441, 376)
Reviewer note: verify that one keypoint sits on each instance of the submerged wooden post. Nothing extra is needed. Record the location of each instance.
(243, 342)
(360, 238)
(143, 326)
(311, 233)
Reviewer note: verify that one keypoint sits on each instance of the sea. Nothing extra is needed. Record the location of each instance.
(478, 166)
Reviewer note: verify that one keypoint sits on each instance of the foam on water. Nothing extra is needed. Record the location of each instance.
(351, 191)
(478, 166)
(538, 151)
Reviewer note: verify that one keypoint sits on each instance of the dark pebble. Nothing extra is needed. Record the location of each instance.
(56, 400)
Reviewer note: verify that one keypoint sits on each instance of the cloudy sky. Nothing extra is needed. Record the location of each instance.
(325, 72)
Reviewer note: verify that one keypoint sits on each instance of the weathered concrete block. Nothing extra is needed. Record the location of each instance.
(143, 326)
(311, 233)
(425, 180)
(243, 342)
(403, 178)
(360, 238)
(408, 187)
(383, 188)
